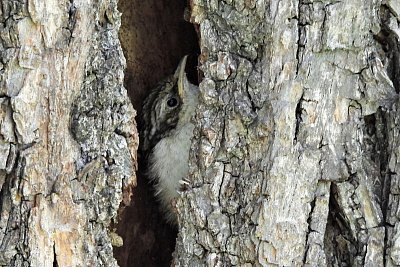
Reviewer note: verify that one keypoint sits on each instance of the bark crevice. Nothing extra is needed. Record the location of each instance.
(155, 35)
(390, 43)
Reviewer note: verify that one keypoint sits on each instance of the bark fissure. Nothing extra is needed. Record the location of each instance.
(310, 230)
(325, 80)
(302, 22)
(55, 263)
(71, 20)
(344, 247)
(299, 111)
(390, 43)
(295, 159)
(45, 59)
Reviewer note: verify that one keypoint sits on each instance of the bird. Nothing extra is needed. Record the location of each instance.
(167, 131)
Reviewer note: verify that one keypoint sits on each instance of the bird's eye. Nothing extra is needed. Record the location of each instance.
(172, 102)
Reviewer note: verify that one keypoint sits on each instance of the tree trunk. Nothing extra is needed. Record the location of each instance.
(67, 134)
(296, 148)
(296, 153)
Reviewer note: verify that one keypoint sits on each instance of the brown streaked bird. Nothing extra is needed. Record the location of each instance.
(166, 135)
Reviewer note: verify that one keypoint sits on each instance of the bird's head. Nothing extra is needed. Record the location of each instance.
(169, 106)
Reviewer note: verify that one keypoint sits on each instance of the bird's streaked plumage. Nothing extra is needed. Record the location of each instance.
(166, 135)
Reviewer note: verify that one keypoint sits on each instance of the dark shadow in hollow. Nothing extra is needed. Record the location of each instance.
(154, 37)
(340, 247)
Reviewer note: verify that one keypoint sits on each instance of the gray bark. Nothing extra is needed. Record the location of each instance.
(67, 134)
(296, 153)
(296, 149)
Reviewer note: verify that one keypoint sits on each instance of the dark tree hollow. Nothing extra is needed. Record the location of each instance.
(154, 36)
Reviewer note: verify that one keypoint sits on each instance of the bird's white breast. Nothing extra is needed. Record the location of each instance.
(169, 162)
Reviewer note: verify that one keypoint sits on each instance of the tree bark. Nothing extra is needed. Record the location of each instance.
(296, 153)
(67, 134)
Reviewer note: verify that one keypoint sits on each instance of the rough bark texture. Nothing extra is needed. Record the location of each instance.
(297, 142)
(67, 134)
(296, 155)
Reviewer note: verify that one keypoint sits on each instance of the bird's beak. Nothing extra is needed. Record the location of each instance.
(180, 72)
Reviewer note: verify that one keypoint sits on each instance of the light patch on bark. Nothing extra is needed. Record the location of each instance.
(57, 198)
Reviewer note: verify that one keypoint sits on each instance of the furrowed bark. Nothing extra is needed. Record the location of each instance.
(296, 152)
(297, 132)
(67, 133)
